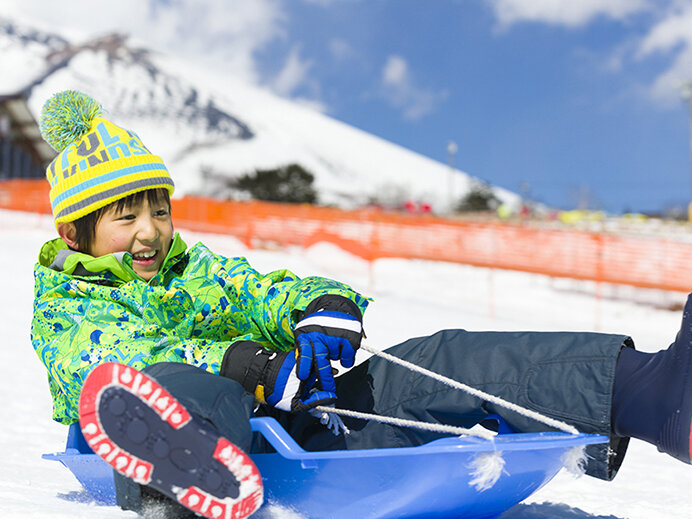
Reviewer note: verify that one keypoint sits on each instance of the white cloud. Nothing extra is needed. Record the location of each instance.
(570, 13)
(329, 3)
(293, 74)
(400, 90)
(672, 30)
(341, 49)
(225, 34)
(395, 73)
(668, 36)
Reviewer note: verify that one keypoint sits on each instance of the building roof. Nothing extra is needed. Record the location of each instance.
(17, 122)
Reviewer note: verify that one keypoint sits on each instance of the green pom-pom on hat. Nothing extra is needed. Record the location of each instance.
(66, 117)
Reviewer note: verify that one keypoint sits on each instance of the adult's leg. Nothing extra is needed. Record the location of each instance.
(653, 397)
(567, 376)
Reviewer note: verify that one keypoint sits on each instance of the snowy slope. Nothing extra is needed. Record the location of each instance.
(649, 486)
(197, 121)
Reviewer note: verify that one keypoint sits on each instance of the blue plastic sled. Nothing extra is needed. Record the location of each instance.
(428, 481)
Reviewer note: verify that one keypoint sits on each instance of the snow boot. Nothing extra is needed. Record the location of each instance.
(144, 433)
(652, 394)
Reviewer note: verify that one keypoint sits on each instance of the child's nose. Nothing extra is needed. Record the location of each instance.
(148, 231)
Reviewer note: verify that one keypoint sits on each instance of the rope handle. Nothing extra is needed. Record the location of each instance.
(428, 426)
(557, 424)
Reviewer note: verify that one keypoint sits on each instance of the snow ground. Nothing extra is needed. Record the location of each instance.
(411, 298)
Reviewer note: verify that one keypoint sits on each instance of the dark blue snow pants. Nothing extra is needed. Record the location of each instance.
(565, 375)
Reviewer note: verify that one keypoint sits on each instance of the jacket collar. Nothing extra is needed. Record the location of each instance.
(56, 255)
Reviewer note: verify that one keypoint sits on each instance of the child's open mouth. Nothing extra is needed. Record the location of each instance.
(145, 258)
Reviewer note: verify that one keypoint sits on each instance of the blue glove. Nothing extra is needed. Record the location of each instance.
(330, 329)
(291, 393)
(271, 377)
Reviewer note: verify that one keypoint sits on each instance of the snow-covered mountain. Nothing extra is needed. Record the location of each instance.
(207, 126)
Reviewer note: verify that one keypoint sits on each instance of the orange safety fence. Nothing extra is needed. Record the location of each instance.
(642, 261)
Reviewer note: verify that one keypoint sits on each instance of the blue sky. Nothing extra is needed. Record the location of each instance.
(572, 102)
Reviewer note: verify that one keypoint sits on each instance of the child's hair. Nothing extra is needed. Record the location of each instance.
(86, 225)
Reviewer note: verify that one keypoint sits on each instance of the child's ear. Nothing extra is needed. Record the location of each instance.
(68, 232)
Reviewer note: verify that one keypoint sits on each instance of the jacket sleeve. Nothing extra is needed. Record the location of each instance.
(73, 335)
(276, 300)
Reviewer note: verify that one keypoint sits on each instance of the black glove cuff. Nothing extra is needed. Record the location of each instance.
(334, 303)
(245, 362)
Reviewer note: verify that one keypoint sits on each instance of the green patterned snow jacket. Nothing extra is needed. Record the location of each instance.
(91, 310)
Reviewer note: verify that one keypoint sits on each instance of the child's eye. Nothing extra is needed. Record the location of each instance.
(161, 212)
(127, 217)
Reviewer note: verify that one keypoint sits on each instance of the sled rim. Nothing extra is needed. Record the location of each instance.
(287, 447)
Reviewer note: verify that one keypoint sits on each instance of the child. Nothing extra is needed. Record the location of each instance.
(216, 339)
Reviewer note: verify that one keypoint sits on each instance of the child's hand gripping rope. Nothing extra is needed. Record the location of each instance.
(300, 379)
(331, 329)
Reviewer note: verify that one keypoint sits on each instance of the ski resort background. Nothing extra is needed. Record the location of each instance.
(648, 261)
(503, 275)
(447, 295)
(599, 260)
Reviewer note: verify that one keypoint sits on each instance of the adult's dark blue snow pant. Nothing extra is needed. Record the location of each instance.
(565, 375)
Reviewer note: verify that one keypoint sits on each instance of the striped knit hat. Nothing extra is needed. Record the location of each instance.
(98, 162)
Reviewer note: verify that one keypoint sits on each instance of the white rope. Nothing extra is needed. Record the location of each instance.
(428, 426)
(487, 466)
(557, 424)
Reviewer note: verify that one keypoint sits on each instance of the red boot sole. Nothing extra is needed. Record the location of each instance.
(173, 413)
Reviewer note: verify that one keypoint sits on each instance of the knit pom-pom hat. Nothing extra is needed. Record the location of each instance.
(98, 162)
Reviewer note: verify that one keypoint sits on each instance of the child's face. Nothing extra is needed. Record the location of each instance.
(143, 230)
